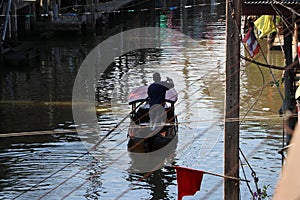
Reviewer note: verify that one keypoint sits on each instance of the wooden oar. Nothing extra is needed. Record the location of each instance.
(83, 154)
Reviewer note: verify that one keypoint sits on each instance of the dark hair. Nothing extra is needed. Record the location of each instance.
(251, 24)
(156, 76)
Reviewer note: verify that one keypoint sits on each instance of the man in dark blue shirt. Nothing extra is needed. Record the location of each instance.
(157, 94)
(157, 90)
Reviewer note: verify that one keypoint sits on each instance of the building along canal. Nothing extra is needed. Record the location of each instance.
(39, 144)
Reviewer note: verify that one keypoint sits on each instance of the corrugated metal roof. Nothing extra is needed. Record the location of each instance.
(266, 7)
(264, 2)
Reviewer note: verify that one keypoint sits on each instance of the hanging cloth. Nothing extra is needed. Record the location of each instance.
(265, 25)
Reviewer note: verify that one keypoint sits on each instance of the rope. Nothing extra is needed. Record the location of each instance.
(237, 119)
(255, 102)
(262, 64)
(125, 153)
(253, 173)
(261, 89)
(93, 148)
(286, 23)
(185, 146)
(113, 129)
(107, 166)
(289, 8)
(83, 154)
(247, 183)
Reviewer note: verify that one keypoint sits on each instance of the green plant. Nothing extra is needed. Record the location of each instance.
(261, 194)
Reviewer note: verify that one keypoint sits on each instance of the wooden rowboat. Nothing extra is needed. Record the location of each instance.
(142, 137)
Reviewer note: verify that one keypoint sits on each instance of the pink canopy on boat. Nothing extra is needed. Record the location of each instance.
(139, 94)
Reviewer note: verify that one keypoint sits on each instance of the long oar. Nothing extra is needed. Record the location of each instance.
(117, 125)
(83, 154)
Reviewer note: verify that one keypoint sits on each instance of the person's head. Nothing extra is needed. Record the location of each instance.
(250, 24)
(156, 77)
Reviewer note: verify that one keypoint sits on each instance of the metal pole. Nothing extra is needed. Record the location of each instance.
(231, 134)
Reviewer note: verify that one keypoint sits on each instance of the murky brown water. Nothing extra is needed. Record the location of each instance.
(38, 97)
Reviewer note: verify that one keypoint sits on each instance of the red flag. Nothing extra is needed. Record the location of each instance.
(252, 43)
(188, 181)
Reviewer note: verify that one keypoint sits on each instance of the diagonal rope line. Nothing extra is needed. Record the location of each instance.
(126, 153)
(94, 147)
(219, 184)
(179, 151)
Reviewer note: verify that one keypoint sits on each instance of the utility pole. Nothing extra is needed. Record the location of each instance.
(231, 134)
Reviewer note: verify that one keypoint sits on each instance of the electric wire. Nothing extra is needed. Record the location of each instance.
(118, 196)
(125, 153)
(262, 64)
(93, 148)
(289, 8)
(180, 150)
(65, 131)
(287, 24)
(255, 149)
(253, 172)
(257, 98)
(245, 175)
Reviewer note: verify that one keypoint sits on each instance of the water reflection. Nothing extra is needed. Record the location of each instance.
(49, 84)
(39, 87)
(38, 98)
(158, 182)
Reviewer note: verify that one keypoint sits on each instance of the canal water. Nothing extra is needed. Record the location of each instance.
(44, 157)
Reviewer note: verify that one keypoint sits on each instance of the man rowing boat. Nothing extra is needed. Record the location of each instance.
(157, 95)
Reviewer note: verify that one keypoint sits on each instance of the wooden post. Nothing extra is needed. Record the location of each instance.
(288, 75)
(231, 135)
